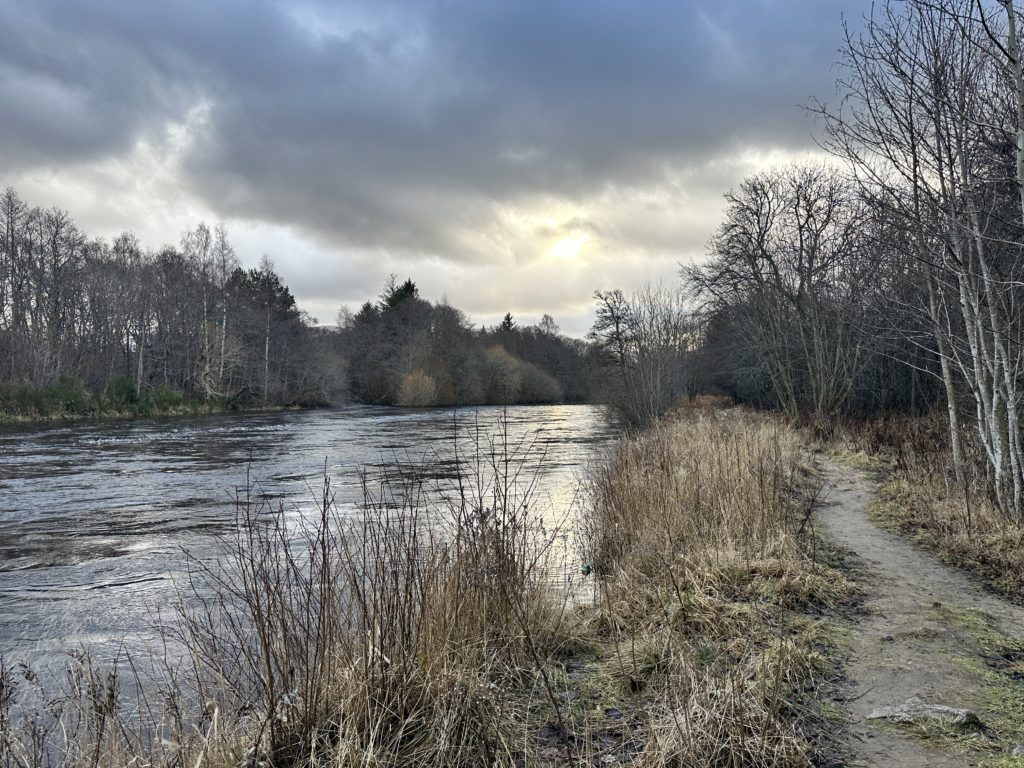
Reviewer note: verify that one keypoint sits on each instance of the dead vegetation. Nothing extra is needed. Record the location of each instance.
(427, 632)
(710, 601)
(416, 632)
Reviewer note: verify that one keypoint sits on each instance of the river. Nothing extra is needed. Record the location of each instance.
(96, 518)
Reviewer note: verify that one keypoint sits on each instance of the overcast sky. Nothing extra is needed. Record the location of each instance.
(509, 154)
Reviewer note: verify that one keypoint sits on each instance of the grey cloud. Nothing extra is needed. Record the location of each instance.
(402, 124)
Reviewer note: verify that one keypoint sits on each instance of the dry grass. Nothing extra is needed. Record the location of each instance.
(698, 535)
(921, 497)
(412, 634)
(426, 632)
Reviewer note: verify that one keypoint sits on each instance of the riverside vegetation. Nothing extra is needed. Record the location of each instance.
(91, 328)
(439, 636)
(870, 303)
(921, 496)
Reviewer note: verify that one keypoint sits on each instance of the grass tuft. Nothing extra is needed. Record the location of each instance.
(711, 600)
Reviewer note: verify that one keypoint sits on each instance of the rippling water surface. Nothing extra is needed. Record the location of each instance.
(95, 518)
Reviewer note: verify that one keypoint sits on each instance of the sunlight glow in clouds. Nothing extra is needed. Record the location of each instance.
(568, 247)
(513, 156)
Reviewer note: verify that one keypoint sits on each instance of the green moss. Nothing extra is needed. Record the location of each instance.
(831, 712)
(920, 633)
(991, 657)
(946, 734)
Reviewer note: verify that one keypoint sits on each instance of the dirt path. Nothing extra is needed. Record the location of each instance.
(929, 631)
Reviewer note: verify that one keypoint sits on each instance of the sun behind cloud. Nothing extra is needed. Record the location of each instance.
(568, 248)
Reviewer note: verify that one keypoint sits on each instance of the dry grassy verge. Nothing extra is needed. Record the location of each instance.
(920, 497)
(710, 604)
(418, 632)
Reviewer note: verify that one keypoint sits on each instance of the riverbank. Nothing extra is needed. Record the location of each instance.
(196, 408)
(695, 625)
(68, 401)
(716, 611)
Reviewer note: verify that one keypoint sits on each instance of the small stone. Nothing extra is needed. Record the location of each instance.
(913, 710)
(613, 713)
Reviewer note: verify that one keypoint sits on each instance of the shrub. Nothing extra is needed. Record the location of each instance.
(67, 396)
(164, 399)
(121, 393)
(500, 377)
(418, 390)
(536, 386)
(15, 399)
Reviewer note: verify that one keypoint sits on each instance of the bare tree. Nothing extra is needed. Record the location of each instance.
(788, 263)
(931, 128)
(645, 342)
(224, 264)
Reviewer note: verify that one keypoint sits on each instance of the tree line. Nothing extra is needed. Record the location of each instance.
(90, 326)
(81, 316)
(405, 350)
(890, 278)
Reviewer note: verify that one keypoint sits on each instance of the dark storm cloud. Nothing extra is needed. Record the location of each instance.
(406, 125)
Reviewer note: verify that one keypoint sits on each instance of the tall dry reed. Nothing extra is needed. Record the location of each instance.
(419, 631)
(700, 534)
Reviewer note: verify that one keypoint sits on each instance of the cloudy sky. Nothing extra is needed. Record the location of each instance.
(512, 155)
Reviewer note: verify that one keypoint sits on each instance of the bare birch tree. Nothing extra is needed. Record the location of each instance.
(929, 125)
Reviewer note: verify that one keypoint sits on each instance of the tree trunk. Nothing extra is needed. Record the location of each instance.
(947, 380)
(266, 361)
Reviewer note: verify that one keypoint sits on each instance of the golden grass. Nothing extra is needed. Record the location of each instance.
(407, 635)
(698, 536)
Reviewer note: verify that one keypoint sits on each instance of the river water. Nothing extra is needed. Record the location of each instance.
(96, 518)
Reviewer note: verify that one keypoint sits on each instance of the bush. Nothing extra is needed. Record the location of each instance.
(164, 399)
(67, 396)
(469, 386)
(536, 386)
(13, 399)
(500, 377)
(418, 390)
(121, 393)
(70, 395)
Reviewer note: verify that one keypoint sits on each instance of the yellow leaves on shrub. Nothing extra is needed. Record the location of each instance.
(418, 390)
